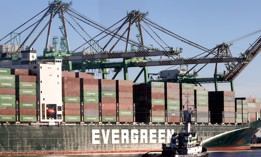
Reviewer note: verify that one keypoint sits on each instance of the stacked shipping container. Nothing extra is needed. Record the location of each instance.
(108, 100)
(253, 109)
(150, 102)
(172, 97)
(26, 95)
(201, 102)
(7, 96)
(71, 99)
(125, 100)
(90, 95)
(241, 110)
(187, 97)
(222, 107)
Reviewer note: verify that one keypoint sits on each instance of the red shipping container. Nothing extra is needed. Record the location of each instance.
(108, 100)
(108, 106)
(91, 106)
(157, 90)
(172, 85)
(124, 82)
(158, 108)
(71, 93)
(187, 92)
(125, 119)
(105, 82)
(27, 98)
(68, 74)
(157, 95)
(69, 106)
(158, 113)
(90, 81)
(27, 111)
(7, 91)
(125, 89)
(125, 101)
(173, 119)
(7, 111)
(72, 112)
(126, 107)
(91, 88)
(24, 78)
(126, 95)
(20, 71)
(84, 75)
(108, 112)
(229, 93)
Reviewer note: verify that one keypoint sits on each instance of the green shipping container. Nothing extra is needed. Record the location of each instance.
(157, 119)
(90, 94)
(27, 118)
(188, 86)
(71, 99)
(127, 113)
(27, 91)
(72, 119)
(202, 98)
(173, 102)
(107, 94)
(7, 104)
(9, 78)
(157, 101)
(7, 84)
(176, 108)
(27, 105)
(91, 118)
(5, 71)
(108, 118)
(27, 85)
(157, 84)
(91, 100)
(7, 98)
(201, 92)
(7, 118)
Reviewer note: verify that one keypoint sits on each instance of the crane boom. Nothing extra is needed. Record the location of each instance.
(249, 54)
(149, 53)
(163, 63)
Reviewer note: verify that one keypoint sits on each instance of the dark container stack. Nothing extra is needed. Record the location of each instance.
(241, 110)
(108, 100)
(187, 97)
(27, 101)
(172, 97)
(71, 99)
(140, 100)
(7, 96)
(201, 102)
(125, 100)
(150, 102)
(222, 107)
(90, 99)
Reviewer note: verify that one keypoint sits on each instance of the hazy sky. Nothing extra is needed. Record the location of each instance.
(206, 22)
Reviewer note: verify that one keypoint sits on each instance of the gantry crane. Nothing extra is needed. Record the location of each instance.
(96, 50)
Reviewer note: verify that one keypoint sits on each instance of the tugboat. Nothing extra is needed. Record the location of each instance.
(185, 143)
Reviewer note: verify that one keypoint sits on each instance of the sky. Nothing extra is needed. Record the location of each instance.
(205, 22)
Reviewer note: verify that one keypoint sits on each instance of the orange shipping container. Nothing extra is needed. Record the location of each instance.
(7, 91)
(24, 78)
(27, 111)
(8, 111)
(20, 71)
(27, 98)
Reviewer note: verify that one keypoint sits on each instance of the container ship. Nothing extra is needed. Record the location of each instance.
(51, 104)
